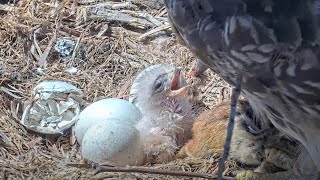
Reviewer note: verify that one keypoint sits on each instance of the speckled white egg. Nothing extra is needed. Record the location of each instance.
(114, 142)
(102, 110)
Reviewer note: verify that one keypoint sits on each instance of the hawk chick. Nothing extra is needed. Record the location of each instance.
(160, 92)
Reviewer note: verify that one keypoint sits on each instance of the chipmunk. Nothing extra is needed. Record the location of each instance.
(209, 135)
(261, 145)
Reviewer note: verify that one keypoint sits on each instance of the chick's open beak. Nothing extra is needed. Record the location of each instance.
(175, 89)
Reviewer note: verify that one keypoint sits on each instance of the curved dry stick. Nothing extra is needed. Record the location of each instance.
(236, 91)
(158, 171)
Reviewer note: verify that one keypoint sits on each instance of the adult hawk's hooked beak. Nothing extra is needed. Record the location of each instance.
(176, 87)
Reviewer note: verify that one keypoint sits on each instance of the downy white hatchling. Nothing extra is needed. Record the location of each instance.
(160, 93)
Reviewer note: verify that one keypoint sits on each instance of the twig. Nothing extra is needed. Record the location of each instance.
(156, 20)
(5, 141)
(60, 7)
(70, 31)
(133, 58)
(157, 171)
(115, 6)
(124, 89)
(162, 12)
(119, 17)
(45, 54)
(86, 1)
(141, 20)
(8, 91)
(87, 166)
(39, 51)
(157, 29)
(150, 18)
(234, 101)
(5, 175)
(76, 47)
(6, 8)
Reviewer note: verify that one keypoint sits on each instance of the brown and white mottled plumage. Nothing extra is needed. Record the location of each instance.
(160, 92)
(273, 45)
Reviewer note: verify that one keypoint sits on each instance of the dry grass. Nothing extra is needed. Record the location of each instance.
(108, 55)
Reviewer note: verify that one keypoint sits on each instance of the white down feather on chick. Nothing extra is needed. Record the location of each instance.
(160, 93)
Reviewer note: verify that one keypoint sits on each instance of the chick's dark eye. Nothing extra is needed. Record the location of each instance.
(159, 83)
(157, 86)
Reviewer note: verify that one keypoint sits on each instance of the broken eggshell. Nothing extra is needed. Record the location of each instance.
(65, 47)
(101, 111)
(54, 108)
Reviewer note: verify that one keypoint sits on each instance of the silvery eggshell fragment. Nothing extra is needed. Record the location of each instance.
(102, 110)
(52, 109)
(72, 70)
(114, 142)
(55, 89)
(65, 47)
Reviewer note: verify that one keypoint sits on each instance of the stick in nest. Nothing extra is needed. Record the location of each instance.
(234, 101)
(100, 169)
(5, 175)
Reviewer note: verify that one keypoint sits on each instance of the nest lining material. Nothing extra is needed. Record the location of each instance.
(113, 43)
